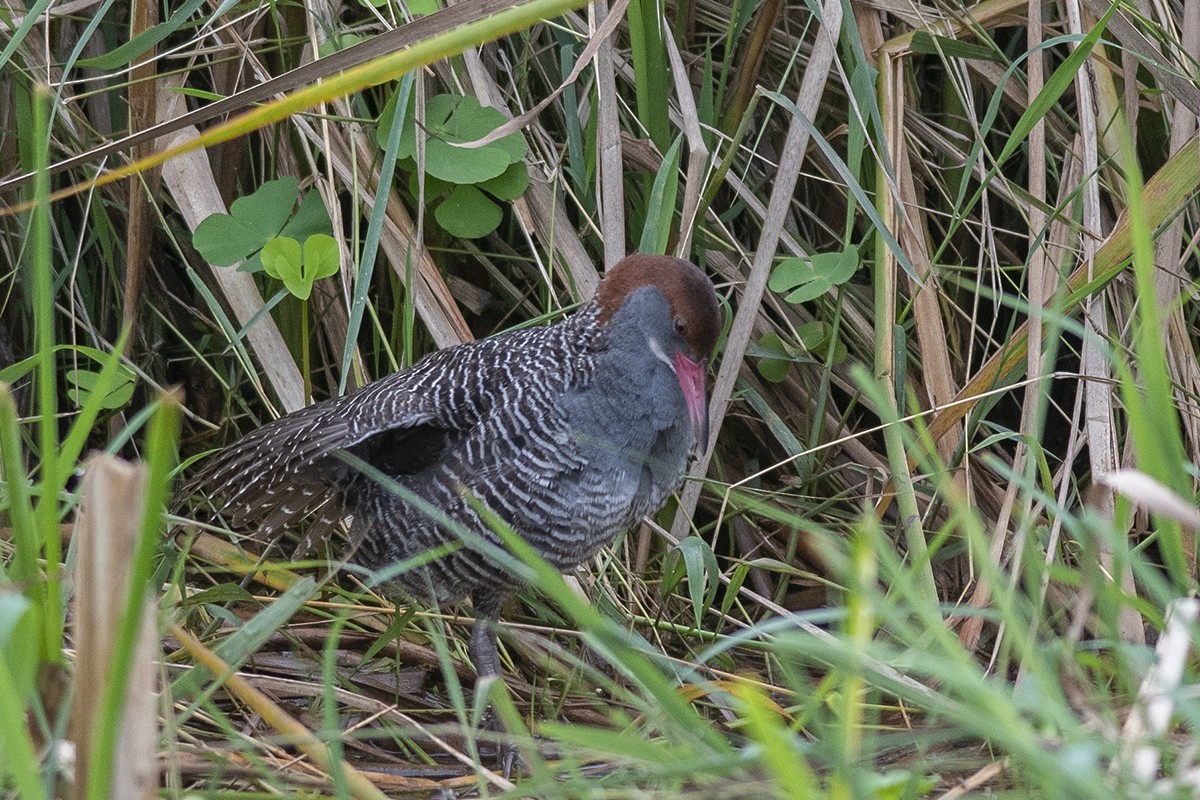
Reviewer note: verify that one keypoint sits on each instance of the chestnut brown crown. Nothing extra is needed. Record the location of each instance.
(689, 292)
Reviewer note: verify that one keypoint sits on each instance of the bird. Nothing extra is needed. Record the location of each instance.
(568, 432)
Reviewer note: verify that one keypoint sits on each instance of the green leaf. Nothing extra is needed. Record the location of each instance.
(661, 214)
(338, 42)
(735, 585)
(510, 184)
(310, 219)
(19, 627)
(14, 372)
(321, 256)
(369, 250)
(284, 259)
(775, 565)
(673, 572)
(128, 52)
(451, 119)
(19, 767)
(200, 94)
(384, 124)
(463, 165)
(812, 334)
(221, 593)
(817, 338)
(468, 213)
(438, 110)
(808, 279)
(470, 121)
(281, 256)
(702, 573)
(82, 384)
(225, 239)
(773, 368)
(924, 43)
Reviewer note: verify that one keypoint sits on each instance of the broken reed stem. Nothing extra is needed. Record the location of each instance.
(107, 532)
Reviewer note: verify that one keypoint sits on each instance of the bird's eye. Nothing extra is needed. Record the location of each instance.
(679, 325)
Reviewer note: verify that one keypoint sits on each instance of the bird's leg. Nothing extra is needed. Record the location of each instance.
(482, 647)
(486, 657)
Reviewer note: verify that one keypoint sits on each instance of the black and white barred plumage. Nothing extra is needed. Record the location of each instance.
(568, 432)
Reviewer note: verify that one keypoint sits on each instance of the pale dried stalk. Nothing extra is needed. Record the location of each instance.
(1170, 277)
(936, 371)
(890, 206)
(1152, 713)
(609, 163)
(807, 101)
(698, 155)
(1098, 393)
(106, 535)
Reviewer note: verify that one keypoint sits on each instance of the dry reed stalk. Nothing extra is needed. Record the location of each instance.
(106, 535)
(807, 102)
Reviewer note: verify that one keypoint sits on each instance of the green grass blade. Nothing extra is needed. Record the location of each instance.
(52, 474)
(370, 247)
(20, 761)
(661, 206)
(23, 569)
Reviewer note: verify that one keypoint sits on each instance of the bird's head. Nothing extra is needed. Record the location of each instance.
(680, 332)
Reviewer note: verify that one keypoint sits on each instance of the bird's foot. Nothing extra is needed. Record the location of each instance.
(506, 752)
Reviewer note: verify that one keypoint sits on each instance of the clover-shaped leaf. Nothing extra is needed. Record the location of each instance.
(281, 256)
(468, 213)
(465, 179)
(817, 338)
(510, 184)
(774, 357)
(321, 256)
(450, 120)
(298, 268)
(225, 239)
(807, 279)
(311, 218)
(339, 42)
(82, 384)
